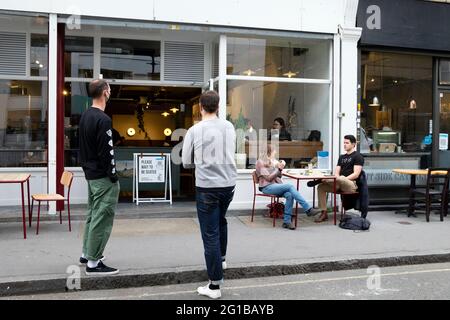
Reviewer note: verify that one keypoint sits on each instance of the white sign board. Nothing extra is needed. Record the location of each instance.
(443, 141)
(152, 169)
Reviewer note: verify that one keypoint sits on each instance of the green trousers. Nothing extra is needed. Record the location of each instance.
(102, 200)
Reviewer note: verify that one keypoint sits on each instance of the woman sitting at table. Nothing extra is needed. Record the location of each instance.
(279, 130)
(269, 172)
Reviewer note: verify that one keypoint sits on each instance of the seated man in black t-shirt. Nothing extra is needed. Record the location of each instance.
(348, 170)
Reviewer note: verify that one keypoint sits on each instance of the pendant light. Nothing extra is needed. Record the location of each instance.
(375, 102)
(290, 73)
(249, 72)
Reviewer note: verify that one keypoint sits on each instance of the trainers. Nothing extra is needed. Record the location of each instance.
(206, 291)
(224, 265)
(101, 270)
(313, 183)
(84, 260)
(312, 212)
(289, 226)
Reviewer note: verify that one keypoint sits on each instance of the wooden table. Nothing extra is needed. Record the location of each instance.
(20, 178)
(413, 173)
(299, 177)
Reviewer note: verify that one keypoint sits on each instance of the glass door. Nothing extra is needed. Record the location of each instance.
(444, 128)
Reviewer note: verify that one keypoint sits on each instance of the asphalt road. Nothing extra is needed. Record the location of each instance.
(431, 281)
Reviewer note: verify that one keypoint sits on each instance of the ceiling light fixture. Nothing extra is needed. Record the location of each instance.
(249, 72)
(174, 110)
(290, 73)
(375, 102)
(165, 114)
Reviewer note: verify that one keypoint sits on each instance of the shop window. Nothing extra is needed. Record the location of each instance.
(278, 57)
(304, 109)
(130, 59)
(23, 123)
(396, 102)
(79, 57)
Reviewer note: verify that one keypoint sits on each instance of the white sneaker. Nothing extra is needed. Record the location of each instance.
(206, 291)
(224, 265)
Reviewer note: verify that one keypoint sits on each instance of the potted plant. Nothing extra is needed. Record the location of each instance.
(240, 124)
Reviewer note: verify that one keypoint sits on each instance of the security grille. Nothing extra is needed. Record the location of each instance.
(13, 47)
(184, 61)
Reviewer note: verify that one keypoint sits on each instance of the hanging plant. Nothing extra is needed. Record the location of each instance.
(140, 119)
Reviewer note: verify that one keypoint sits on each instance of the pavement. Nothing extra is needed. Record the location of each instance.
(158, 250)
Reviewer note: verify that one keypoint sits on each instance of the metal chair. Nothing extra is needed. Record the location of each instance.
(435, 192)
(66, 180)
(273, 198)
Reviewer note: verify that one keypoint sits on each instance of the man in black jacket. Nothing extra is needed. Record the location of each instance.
(97, 160)
(348, 171)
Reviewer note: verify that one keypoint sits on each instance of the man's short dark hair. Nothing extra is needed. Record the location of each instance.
(96, 88)
(210, 101)
(351, 138)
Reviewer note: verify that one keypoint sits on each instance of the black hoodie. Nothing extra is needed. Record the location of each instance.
(96, 145)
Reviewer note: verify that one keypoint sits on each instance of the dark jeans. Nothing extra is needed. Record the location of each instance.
(212, 206)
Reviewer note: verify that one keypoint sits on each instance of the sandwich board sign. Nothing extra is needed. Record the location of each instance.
(152, 168)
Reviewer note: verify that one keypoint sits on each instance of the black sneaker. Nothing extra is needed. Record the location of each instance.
(101, 270)
(313, 183)
(289, 226)
(84, 260)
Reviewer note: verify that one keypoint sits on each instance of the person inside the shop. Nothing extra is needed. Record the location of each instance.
(269, 171)
(279, 130)
(348, 171)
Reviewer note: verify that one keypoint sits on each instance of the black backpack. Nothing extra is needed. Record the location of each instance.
(354, 223)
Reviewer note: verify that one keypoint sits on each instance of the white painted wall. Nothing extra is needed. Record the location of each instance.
(300, 15)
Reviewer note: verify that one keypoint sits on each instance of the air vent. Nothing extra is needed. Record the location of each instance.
(184, 61)
(13, 48)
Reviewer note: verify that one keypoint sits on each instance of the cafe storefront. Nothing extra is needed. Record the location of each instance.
(404, 92)
(300, 68)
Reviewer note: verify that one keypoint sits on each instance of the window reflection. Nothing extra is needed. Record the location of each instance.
(79, 57)
(23, 123)
(130, 59)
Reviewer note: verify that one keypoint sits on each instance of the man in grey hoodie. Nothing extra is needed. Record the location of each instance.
(209, 146)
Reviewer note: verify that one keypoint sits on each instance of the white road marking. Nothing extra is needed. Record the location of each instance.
(275, 284)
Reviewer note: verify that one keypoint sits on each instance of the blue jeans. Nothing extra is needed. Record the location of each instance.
(211, 210)
(288, 192)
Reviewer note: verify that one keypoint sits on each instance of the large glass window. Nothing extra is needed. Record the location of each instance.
(303, 108)
(23, 123)
(396, 102)
(79, 57)
(130, 59)
(277, 57)
(290, 110)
